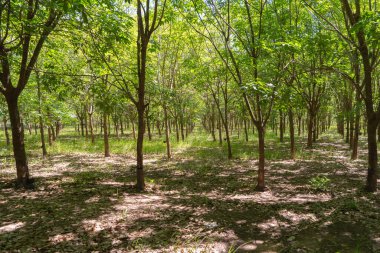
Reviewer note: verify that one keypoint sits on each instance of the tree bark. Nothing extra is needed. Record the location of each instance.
(371, 185)
(310, 127)
(261, 171)
(49, 136)
(140, 139)
(291, 130)
(43, 145)
(281, 126)
(18, 141)
(6, 131)
(105, 136)
(245, 130)
(167, 135)
(91, 128)
(355, 141)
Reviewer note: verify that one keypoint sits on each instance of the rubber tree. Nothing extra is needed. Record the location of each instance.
(358, 28)
(25, 27)
(243, 62)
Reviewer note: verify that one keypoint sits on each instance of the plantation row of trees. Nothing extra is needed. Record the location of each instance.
(171, 66)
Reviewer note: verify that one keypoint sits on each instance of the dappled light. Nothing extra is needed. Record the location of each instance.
(11, 227)
(189, 126)
(190, 205)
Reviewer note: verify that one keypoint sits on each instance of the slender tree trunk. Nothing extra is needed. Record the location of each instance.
(57, 128)
(182, 128)
(18, 141)
(167, 135)
(140, 139)
(133, 130)
(315, 129)
(291, 130)
(121, 126)
(372, 154)
(53, 133)
(105, 136)
(310, 131)
(352, 125)
(85, 121)
(299, 125)
(261, 171)
(281, 126)
(91, 128)
(212, 119)
(29, 128)
(43, 145)
(158, 126)
(245, 130)
(177, 129)
(82, 126)
(50, 138)
(355, 141)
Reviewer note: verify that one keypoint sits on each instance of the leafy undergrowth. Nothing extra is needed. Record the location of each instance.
(85, 203)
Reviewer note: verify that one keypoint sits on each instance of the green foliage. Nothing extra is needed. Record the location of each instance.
(320, 183)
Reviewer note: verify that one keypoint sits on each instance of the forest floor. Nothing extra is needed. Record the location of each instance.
(197, 202)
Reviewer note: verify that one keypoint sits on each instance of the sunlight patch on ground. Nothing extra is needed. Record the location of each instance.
(305, 198)
(296, 218)
(376, 245)
(11, 227)
(272, 226)
(92, 200)
(111, 183)
(62, 238)
(259, 197)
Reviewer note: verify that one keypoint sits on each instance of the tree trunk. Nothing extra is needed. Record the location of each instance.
(82, 126)
(133, 130)
(49, 136)
(220, 132)
(105, 136)
(57, 128)
(158, 126)
(53, 133)
(355, 141)
(43, 145)
(18, 141)
(91, 128)
(177, 129)
(245, 130)
(315, 129)
(212, 119)
(167, 136)
(6, 131)
(140, 139)
(372, 154)
(182, 129)
(299, 125)
(261, 171)
(121, 126)
(310, 131)
(281, 126)
(85, 121)
(291, 130)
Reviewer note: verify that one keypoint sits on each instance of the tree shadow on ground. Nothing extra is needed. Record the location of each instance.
(85, 203)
